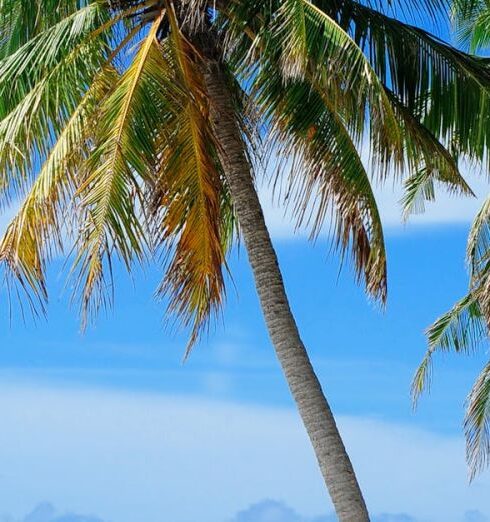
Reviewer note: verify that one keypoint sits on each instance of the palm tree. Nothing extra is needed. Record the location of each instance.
(465, 328)
(133, 129)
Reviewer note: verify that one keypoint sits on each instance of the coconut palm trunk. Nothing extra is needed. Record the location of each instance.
(305, 387)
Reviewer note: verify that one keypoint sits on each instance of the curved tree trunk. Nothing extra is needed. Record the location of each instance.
(317, 417)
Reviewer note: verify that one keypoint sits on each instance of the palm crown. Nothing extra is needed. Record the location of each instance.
(105, 138)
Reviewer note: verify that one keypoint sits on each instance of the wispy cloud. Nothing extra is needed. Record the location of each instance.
(129, 457)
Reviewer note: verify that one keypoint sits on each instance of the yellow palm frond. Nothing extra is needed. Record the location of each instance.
(108, 194)
(192, 202)
(27, 242)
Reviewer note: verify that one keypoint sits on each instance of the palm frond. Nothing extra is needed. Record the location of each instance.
(305, 43)
(445, 88)
(478, 247)
(419, 188)
(38, 226)
(477, 424)
(21, 20)
(383, 38)
(47, 48)
(194, 208)
(37, 101)
(292, 21)
(123, 151)
(414, 9)
(339, 68)
(428, 160)
(327, 177)
(461, 330)
(44, 79)
(472, 22)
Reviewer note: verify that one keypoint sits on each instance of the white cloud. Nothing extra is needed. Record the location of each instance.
(132, 457)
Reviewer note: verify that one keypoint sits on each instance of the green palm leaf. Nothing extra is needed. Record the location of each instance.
(477, 423)
(462, 330)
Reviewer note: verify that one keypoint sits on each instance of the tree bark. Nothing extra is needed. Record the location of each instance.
(313, 407)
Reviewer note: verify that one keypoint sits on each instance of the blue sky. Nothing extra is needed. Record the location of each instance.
(111, 425)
